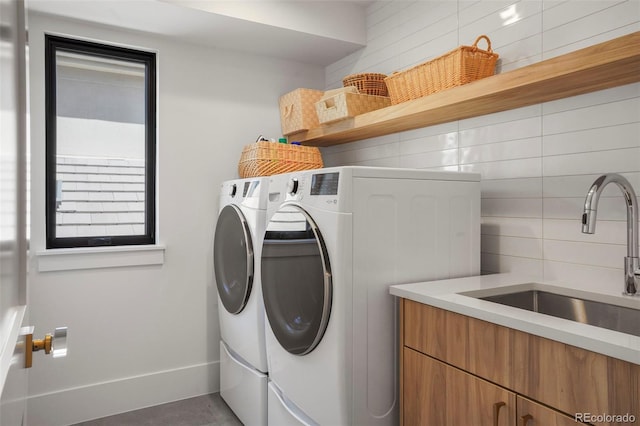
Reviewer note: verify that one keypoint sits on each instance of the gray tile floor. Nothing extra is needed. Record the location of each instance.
(206, 410)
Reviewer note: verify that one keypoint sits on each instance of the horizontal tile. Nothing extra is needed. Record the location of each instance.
(511, 188)
(447, 157)
(565, 12)
(423, 132)
(361, 144)
(519, 20)
(512, 246)
(525, 128)
(609, 17)
(519, 53)
(479, 10)
(524, 168)
(599, 37)
(590, 278)
(603, 115)
(420, 51)
(497, 118)
(614, 94)
(619, 161)
(510, 150)
(578, 185)
(512, 207)
(605, 255)
(607, 231)
(379, 162)
(365, 153)
(496, 263)
(439, 142)
(511, 226)
(609, 208)
(599, 139)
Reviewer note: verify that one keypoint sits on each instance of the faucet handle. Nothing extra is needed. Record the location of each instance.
(632, 275)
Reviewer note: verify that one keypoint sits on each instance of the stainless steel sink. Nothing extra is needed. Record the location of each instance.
(599, 314)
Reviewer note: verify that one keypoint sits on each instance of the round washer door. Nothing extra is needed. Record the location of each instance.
(233, 259)
(296, 280)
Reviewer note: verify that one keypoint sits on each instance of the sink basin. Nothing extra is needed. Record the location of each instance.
(599, 314)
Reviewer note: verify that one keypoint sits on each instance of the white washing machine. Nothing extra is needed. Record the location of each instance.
(237, 246)
(337, 240)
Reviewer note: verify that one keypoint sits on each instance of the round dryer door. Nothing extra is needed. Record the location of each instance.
(296, 280)
(233, 259)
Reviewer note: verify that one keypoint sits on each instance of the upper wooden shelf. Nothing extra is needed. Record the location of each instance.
(605, 65)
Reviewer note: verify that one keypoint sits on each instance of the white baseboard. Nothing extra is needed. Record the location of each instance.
(70, 406)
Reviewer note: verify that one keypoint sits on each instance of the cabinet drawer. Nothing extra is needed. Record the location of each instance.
(477, 346)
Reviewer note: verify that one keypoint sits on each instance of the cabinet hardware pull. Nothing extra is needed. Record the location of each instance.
(525, 419)
(496, 411)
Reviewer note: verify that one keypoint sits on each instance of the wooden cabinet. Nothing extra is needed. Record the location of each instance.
(448, 358)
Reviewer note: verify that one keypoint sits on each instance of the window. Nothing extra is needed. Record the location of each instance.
(100, 144)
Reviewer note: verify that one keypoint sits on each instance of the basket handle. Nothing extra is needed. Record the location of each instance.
(475, 44)
(329, 104)
(288, 109)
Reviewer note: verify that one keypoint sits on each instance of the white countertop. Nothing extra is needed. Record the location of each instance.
(445, 294)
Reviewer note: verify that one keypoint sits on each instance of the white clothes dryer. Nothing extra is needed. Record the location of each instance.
(335, 243)
(237, 245)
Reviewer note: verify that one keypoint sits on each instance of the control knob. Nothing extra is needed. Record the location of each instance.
(233, 190)
(293, 186)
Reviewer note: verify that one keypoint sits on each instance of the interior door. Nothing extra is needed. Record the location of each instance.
(13, 242)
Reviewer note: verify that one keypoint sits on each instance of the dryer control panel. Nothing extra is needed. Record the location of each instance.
(324, 183)
(314, 188)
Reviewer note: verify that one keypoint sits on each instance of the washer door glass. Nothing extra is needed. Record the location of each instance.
(233, 259)
(296, 280)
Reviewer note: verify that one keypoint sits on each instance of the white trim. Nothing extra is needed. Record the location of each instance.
(104, 399)
(99, 257)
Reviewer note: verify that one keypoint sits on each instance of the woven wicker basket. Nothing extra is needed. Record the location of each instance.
(270, 158)
(367, 83)
(455, 68)
(345, 105)
(298, 111)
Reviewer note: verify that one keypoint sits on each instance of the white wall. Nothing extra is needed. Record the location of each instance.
(145, 335)
(538, 162)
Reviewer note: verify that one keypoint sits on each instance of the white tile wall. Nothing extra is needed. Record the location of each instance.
(538, 162)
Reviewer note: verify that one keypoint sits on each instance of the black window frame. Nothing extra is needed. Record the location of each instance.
(55, 44)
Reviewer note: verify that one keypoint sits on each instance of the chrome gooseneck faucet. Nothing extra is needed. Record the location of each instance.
(631, 262)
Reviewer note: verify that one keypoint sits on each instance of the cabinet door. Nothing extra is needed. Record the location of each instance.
(438, 394)
(534, 414)
(572, 379)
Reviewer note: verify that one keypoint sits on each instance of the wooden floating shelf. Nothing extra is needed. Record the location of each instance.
(602, 66)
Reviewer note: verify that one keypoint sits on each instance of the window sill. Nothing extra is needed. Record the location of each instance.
(99, 257)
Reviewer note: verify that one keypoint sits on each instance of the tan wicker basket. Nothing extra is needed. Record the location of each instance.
(345, 105)
(455, 68)
(298, 111)
(270, 158)
(367, 83)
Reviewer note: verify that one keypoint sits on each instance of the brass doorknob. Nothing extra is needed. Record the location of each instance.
(55, 343)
